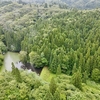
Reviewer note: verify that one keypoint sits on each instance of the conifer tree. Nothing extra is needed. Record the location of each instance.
(48, 96)
(17, 75)
(76, 80)
(58, 70)
(13, 69)
(74, 68)
(57, 95)
(52, 86)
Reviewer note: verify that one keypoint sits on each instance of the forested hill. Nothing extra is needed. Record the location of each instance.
(66, 41)
(81, 4)
(52, 36)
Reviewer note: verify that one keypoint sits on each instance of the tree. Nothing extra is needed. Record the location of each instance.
(23, 56)
(85, 77)
(16, 73)
(45, 5)
(76, 80)
(58, 70)
(57, 95)
(74, 69)
(48, 96)
(52, 86)
(3, 48)
(37, 84)
(35, 59)
(1, 61)
(96, 75)
(13, 69)
(44, 60)
(54, 64)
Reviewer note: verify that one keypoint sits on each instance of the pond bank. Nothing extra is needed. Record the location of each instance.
(28, 66)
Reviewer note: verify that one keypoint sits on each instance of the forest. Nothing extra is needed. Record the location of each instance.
(63, 41)
(80, 4)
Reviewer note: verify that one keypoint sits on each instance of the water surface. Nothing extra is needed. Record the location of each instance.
(9, 58)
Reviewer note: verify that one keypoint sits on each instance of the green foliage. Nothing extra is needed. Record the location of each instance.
(58, 37)
(63, 40)
(58, 70)
(14, 90)
(23, 56)
(37, 84)
(27, 89)
(57, 95)
(46, 74)
(96, 75)
(85, 77)
(48, 96)
(1, 61)
(44, 60)
(52, 86)
(76, 80)
(3, 48)
(35, 59)
(74, 69)
(16, 73)
(13, 69)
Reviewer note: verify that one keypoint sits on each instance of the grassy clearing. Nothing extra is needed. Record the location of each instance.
(46, 74)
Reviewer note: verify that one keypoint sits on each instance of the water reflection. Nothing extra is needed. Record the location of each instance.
(9, 58)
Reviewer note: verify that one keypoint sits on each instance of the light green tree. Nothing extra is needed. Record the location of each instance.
(23, 56)
(52, 86)
(48, 96)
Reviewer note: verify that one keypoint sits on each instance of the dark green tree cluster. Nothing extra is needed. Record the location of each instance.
(69, 40)
(17, 21)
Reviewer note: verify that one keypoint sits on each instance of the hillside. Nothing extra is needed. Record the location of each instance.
(80, 4)
(64, 42)
(83, 4)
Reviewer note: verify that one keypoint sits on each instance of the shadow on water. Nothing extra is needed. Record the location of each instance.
(32, 68)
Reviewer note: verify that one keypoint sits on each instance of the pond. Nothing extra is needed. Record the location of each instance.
(9, 58)
(14, 57)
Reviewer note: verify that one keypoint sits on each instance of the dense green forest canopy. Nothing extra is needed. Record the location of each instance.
(31, 87)
(67, 41)
(52, 37)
